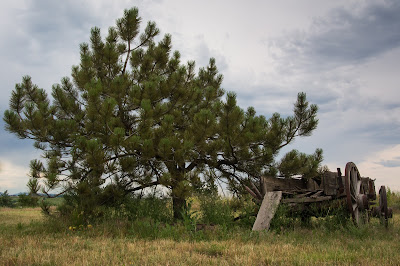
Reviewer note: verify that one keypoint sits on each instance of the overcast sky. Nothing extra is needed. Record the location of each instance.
(344, 54)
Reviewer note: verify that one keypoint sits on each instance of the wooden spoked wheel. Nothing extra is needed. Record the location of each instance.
(383, 205)
(357, 200)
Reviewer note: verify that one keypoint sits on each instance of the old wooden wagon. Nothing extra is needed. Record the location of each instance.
(353, 191)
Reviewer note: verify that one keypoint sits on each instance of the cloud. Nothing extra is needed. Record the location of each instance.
(346, 35)
(12, 177)
(389, 163)
(346, 62)
(43, 42)
(198, 50)
(384, 166)
(44, 26)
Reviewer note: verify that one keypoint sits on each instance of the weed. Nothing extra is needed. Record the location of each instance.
(157, 209)
(20, 226)
(282, 219)
(212, 250)
(215, 210)
(393, 199)
(45, 206)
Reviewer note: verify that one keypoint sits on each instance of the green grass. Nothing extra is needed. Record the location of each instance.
(27, 238)
(52, 201)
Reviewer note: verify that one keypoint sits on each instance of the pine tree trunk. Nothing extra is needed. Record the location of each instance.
(179, 206)
(179, 191)
(178, 194)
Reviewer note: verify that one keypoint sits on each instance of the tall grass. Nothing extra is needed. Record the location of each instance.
(393, 199)
(27, 239)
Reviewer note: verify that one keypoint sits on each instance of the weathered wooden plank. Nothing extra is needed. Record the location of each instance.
(317, 194)
(306, 200)
(304, 194)
(312, 185)
(284, 184)
(267, 210)
(330, 183)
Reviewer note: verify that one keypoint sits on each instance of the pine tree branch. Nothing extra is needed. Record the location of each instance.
(127, 57)
(59, 194)
(143, 186)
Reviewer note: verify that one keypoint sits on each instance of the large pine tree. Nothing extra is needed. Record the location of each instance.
(133, 116)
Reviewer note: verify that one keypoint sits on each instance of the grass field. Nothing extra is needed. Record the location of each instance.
(27, 239)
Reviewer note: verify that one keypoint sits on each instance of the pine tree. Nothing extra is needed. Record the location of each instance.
(5, 200)
(133, 116)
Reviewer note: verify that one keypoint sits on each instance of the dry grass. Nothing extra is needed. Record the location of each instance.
(12, 216)
(23, 243)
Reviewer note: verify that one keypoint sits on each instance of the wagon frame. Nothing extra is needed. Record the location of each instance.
(356, 193)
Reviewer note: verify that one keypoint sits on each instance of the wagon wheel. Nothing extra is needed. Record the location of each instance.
(357, 200)
(383, 205)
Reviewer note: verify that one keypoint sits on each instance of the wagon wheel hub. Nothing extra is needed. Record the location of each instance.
(362, 202)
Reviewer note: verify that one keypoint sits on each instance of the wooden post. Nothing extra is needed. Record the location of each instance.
(267, 210)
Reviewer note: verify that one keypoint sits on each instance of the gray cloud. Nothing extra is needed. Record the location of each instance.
(45, 26)
(346, 36)
(330, 62)
(44, 42)
(390, 163)
(18, 151)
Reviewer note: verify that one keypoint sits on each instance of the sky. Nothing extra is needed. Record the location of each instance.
(344, 54)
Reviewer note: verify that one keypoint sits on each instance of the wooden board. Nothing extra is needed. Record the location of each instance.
(267, 210)
(306, 199)
(284, 184)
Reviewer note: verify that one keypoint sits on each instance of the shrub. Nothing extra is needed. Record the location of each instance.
(393, 199)
(25, 200)
(129, 207)
(156, 208)
(244, 210)
(283, 219)
(5, 200)
(80, 210)
(337, 219)
(215, 210)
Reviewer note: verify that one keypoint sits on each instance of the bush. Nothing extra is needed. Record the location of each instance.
(158, 209)
(337, 219)
(215, 210)
(80, 209)
(129, 207)
(5, 200)
(245, 211)
(332, 215)
(25, 200)
(283, 219)
(393, 199)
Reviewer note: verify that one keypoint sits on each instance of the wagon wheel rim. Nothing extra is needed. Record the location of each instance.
(354, 193)
(383, 204)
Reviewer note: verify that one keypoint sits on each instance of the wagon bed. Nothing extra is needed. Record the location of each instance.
(356, 192)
